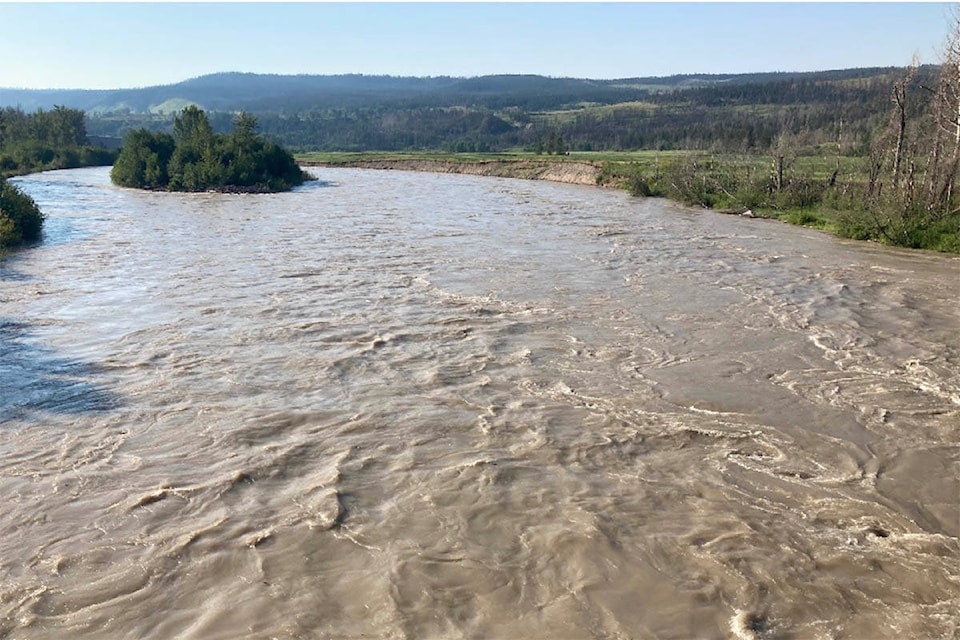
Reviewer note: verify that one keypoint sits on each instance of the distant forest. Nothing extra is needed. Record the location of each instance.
(742, 113)
(750, 113)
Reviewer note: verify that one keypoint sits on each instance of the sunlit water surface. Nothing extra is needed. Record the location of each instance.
(399, 405)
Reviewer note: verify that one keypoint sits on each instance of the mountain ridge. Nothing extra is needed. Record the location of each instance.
(236, 90)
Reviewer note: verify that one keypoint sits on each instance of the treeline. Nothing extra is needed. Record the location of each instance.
(499, 113)
(195, 158)
(44, 140)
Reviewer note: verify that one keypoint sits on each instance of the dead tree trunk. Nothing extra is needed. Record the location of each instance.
(900, 101)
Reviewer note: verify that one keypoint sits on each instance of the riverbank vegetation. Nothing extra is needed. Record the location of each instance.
(195, 158)
(47, 140)
(901, 192)
(849, 202)
(21, 221)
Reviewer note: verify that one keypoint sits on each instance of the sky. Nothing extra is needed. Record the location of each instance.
(124, 45)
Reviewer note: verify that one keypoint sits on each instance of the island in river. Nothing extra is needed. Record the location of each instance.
(196, 159)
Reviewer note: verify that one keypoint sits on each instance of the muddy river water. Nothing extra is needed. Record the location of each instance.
(406, 405)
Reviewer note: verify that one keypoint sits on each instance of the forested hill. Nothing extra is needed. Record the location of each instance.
(747, 112)
(260, 92)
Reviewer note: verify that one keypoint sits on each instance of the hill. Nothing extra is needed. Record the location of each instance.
(744, 112)
(269, 92)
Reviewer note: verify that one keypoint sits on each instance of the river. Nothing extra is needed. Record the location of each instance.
(406, 405)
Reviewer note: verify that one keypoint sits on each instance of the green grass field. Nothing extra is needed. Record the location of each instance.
(819, 166)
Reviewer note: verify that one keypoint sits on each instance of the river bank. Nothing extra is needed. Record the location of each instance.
(728, 186)
(570, 172)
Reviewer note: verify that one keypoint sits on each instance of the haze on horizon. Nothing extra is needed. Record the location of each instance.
(127, 45)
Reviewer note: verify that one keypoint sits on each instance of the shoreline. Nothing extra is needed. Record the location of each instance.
(569, 172)
(577, 172)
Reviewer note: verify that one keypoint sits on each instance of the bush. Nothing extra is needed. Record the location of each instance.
(143, 161)
(97, 157)
(693, 181)
(799, 193)
(807, 218)
(20, 218)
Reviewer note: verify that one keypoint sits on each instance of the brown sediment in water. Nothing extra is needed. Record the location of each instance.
(396, 405)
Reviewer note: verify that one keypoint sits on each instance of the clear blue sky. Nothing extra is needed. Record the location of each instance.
(121, 45)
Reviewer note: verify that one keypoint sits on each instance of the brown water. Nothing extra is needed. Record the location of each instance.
(397, 405)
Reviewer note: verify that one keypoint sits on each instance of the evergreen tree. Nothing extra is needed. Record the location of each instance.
(196, 159)
(244, 126)
(192, 126)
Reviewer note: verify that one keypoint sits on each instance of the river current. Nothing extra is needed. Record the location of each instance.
(405, 405)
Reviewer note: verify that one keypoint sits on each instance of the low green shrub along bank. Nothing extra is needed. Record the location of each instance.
(21, 221)
(844, 203)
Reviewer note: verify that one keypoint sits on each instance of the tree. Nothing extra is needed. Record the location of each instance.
(554, 143)
(910, 197)
(44, 140)
(244, 126)
(196, 159)
(945, 152)
(67, 127)
(192, 126)
(144, 160)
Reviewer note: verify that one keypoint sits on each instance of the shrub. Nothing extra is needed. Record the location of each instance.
(20, 218)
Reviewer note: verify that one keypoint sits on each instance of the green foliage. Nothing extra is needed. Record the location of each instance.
(244, 126)
(816, 218)
(632, 177)
(726, 114)
(20, 218)
(144, 160)
(888, 221)
(192, 126)
(46, 140)
(554, 143)
(468, 145)
(196, 159)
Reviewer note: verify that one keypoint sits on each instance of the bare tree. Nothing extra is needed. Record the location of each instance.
(915, 159)
(900, 121)
(942, 171)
